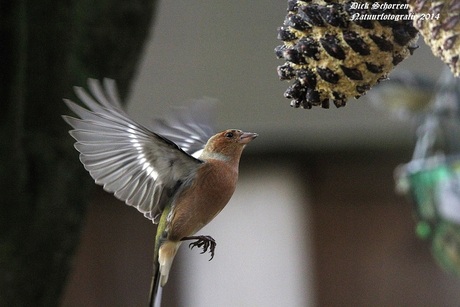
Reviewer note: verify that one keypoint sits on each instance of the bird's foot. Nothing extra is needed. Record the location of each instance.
(204, 242)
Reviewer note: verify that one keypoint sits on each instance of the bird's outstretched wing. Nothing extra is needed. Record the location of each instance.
(139, 166)
(189, 126)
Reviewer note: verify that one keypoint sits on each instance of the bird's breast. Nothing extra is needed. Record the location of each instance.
(198, 204)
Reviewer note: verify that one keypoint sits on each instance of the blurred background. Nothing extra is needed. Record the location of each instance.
(315, 220)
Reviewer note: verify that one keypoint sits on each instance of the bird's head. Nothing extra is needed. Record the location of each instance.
(227, 145)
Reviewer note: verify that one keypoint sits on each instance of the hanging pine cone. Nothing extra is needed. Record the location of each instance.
(330, 56)
(439, 23)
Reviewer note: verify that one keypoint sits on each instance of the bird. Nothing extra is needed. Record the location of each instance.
(180, 176)
(405, 94)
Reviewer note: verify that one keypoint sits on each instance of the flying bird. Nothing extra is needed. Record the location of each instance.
(156, 171)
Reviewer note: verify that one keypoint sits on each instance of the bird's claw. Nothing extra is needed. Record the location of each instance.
(203, 242)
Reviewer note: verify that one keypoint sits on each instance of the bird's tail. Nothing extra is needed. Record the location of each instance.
(162, 261)
(155, 289)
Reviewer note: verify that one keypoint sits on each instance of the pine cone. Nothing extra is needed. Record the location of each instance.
(439, 23)
(332, 57)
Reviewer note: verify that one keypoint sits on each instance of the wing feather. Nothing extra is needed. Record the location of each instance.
(138, 165)
(189, 127)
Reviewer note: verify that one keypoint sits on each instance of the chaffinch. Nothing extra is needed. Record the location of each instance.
(155, 172)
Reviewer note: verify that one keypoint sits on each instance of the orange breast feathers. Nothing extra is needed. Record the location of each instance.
(206, 197)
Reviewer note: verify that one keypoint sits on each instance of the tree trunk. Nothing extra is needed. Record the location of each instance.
(46, 47)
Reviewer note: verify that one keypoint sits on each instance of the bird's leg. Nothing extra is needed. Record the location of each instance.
(204, 242)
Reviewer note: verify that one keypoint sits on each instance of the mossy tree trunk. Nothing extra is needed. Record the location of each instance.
(46, 47)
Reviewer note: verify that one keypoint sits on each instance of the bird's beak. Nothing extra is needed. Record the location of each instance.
(247, 137)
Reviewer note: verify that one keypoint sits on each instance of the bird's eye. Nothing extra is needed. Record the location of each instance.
(229, 135)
